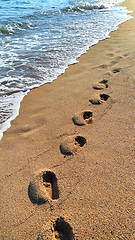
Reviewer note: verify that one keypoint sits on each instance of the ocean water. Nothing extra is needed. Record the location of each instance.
(40, 38)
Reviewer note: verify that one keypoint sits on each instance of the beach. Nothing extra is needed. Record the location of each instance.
(67, 161)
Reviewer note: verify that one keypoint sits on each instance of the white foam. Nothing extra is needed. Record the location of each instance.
(15, 99)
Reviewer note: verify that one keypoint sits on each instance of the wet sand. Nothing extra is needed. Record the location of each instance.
(67, 162)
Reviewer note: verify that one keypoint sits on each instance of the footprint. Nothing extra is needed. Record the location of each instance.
(119, 57)
(103, 66)
(107, 74)
(82, 118)
(125, 55)
(113, 62)
(72, 144)
(101, 85)
(104, 82)
(110, 54)
(116, 70)
(24, 129)
(99, 98)
(43, 187)
(62, 230)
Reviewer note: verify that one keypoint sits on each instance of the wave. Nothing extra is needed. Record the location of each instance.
(14, 28)
(27, 20)
(83, 8)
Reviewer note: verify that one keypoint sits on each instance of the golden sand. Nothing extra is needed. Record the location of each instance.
(67, 162)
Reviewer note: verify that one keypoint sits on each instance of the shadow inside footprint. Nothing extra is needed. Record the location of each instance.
(50, 182)
(72, 144)
(105, 82)
(43, 187)
(82, 118)
(104, 97)
(62, 230)
(80, 140)
(116, 70)
(87, 115)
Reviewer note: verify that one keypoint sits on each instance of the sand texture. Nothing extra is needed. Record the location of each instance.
(67, 162)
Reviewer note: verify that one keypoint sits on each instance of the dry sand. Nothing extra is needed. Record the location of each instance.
(59, 178)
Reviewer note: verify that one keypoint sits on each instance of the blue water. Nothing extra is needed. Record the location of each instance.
(40, 38)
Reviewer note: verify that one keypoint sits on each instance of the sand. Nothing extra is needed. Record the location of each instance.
(67, 162)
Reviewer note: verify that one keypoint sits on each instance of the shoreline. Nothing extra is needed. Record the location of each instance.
(95, 176)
